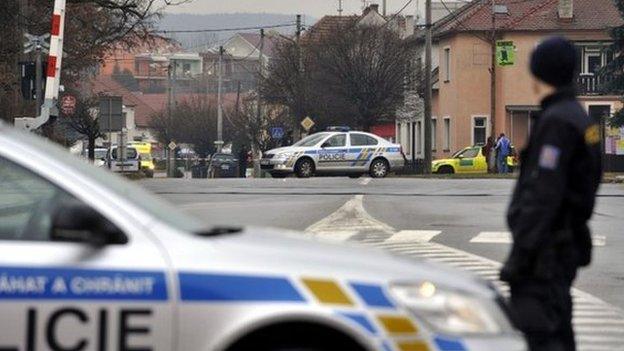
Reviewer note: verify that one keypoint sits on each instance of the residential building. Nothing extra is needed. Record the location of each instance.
(462, 94)
(152, 71)
(240, 63)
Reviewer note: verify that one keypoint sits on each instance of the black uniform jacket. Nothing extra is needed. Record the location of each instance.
(554, 197)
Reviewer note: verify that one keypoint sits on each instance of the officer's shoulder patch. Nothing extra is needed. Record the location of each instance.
(549, 157)
(592, 135)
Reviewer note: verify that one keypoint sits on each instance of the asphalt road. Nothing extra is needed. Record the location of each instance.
(456, 222)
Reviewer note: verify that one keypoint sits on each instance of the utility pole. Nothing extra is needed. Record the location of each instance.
(219, 141)
(493, 72)
(38, 77)
(169, 110)
(339, 7)
(254, 141)
(297, 114)
(383, 8)
(427, 124)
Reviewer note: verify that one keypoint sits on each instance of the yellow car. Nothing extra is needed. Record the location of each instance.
(469, 160)
(147, 162)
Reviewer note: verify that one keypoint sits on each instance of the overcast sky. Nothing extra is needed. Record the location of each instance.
(314, 8)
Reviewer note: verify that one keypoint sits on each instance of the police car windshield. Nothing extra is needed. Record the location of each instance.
(132, 193)
(311, 140)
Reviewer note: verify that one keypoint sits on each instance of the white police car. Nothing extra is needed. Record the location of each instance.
(336, 151)
(90, 262)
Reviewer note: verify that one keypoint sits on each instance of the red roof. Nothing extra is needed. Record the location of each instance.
(108, 86)
(146, 105)
(531, 15)
(327, 26)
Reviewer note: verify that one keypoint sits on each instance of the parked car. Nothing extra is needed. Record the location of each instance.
(223, 166)
(127, 162)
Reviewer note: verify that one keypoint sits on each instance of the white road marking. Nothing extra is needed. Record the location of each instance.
(598, 325)
(413, 236)
(505, 238)
(492, 238)
(365, 181)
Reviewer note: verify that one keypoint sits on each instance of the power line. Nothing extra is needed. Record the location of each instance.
(214, 30)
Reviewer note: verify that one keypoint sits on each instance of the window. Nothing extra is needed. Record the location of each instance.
(362, 140)
(479, 130)
(338, 140)
(434, 131)
(27, 204)
(311, 140)
(447, 64)
(470, 153)
(447, 134)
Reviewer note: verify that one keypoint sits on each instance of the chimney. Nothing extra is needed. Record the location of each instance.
(374, 7)
(566, 10)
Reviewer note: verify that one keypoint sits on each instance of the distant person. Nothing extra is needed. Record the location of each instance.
(560, 172)
(490, 154)
(503, 149)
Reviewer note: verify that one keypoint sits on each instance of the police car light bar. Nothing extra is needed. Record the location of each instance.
(338, 129)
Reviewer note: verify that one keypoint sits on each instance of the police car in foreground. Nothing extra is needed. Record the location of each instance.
(336, 151)
(89, 261)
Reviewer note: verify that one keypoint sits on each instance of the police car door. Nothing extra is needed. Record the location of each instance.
(333, 153)
(64, 288)
(362, 148)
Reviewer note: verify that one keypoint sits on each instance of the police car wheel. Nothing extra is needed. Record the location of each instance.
(304, 168)
(379, 168)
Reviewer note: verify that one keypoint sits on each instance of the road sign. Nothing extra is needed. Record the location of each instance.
(505, 53)
(307, 123)
(111, 116)
(277, 132)
(68, 104)
(172, 145)
(34, 42)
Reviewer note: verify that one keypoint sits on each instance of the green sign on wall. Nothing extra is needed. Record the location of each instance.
(505, 53)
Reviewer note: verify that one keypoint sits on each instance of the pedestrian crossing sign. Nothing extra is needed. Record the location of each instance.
(505, 53)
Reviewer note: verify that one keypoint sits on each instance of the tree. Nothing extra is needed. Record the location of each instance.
(85, 122)
(248, 127)
(92, 29)
(192, 121)
(364, 67)
(613, 74)
(289, 80)
(357, 76)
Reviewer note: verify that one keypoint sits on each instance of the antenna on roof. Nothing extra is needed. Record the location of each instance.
(339, 7)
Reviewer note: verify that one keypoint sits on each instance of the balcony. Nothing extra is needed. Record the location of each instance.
(589, 84)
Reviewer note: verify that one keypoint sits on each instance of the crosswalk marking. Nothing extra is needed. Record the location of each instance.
(505, 238)
(492, 238)
(411, 236)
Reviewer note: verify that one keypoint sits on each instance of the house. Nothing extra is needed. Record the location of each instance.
(461, 105)
(240, 63)
(152, 71)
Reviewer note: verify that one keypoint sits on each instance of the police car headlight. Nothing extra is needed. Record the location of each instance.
(283, 155)
(452, 312)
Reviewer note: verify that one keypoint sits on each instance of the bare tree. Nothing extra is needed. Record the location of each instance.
(364, 67)
(192, 121)
(85, 122)
(247, 128)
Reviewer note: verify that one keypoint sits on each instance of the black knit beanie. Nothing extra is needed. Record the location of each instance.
(554, 62)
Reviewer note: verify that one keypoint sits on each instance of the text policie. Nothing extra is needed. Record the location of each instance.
(125, 330)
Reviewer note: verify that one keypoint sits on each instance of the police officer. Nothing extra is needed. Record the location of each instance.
(552, 203)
